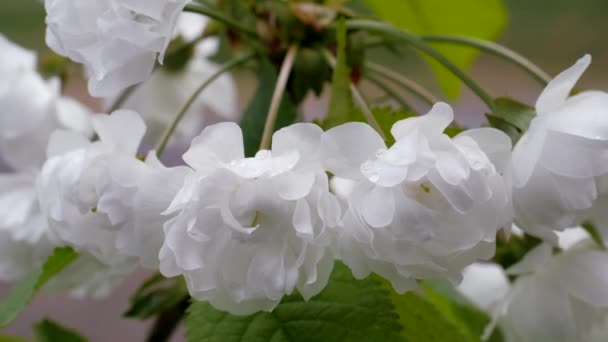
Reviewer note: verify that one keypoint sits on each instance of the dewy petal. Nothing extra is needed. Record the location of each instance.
(495, 144)
(432, 123)
(348, 146)
(217, 144)
(558, 90)
(303, 137)
(123, 130)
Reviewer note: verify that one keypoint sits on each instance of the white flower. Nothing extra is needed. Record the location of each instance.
(250, 230)
(117, 40)
(143, 236)
(32, 109)
(557, 162)
(161, 97)
(87, 190)
(556, 297)
(427, 206)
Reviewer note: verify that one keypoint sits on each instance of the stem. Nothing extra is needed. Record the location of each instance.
(277, 96)
(179, 116)
(122, 98)
(167, 322)
(497, 50)
(358, 97)
(213, 14)
(386, 89)
(405, 82)
(418, 43)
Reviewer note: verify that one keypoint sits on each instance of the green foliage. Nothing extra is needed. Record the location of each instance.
(310, 72)
(179, 52)
(595, 234)
(346, 310)
(49, 331)
(12, 339)
(341, 106)
(24, 290)
(254, 117)
(475, 18)
(387, 117)
(458, 310)
(511, 117)
(510, 251)
(157, 294)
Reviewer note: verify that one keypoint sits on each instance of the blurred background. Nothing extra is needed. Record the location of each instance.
(552, 33)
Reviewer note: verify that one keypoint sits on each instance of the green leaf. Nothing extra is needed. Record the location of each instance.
(515, 113)
(458, 310)
(254, 117)
(594, 233)
(49, 331)
(511, 117)
(346, 310)
(341, 106)
(157, 294)
(21, 294)
(474, 18)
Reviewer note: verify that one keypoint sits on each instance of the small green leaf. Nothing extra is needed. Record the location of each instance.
(49, 331)
(346, 310)
(518, 114)
(341, 106)
(595, 234)
(21, 294)
(474, 18)
(254, 117)
(157, 294)
(511, 117)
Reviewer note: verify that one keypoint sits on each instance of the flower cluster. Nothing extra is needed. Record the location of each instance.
(246, 231)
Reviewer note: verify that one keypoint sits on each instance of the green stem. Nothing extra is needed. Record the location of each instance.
(358, 97)
(179, 116)
(216, 15)
(418, 43)
(386, 89)
(497, 50)
(277, 96)
(403, 81)
(122, 98)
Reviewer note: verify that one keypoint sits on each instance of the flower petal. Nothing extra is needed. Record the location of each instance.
(347, 147)
(557, 91)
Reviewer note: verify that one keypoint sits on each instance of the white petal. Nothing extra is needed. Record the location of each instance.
(346, 147)
(558, 90)
(220, 143)
(585, 275)
(303, 137)
(433, 123)
(379, 207)
(533, 260)
(63, 141)
(123, 130)
(494, 143)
